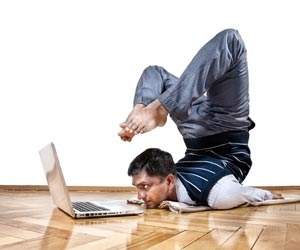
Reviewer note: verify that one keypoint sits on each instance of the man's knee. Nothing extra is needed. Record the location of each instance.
(234, 41)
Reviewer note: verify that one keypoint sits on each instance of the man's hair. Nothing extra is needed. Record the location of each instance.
(154, 161)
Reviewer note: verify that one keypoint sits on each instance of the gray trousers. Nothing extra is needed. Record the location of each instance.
(211, 96)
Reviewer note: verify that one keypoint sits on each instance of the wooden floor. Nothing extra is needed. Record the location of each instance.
(29, 220)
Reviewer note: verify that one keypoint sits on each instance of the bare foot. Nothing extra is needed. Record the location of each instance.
(143, 119)
(277, 195)
(127, 134)
(124, 134)
(146, 119)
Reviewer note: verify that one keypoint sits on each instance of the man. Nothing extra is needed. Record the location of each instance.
(209, 103)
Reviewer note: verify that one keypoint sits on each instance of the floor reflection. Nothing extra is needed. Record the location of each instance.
(63, 232)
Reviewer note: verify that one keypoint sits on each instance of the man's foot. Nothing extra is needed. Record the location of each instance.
(148, 118)
(127, 134)
(143, 119)
(124, 134)
(277, 195)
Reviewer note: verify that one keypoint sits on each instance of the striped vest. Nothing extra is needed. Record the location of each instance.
(210, 158)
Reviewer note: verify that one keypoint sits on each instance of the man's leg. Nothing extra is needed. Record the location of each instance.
(147, 112)
(229, 193)
(222, 57)
(219, 68)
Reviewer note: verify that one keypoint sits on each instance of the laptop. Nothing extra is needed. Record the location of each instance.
(78, 209)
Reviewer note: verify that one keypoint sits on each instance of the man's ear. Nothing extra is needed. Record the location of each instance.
(170, 179)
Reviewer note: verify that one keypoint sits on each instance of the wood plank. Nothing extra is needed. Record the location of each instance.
(271, 238)
(179, 241)
(23, 188)
(118, 188)
(18, 232)
(7, 239)
(39, 243)
(293, 237)
(243, 239)
(29, 220)
(212, 240)
(150, 239)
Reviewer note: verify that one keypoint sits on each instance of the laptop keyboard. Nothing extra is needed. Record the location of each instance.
(87, 206)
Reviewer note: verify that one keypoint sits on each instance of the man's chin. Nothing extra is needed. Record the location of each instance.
(151, 205)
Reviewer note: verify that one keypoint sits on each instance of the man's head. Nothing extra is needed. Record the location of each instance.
(153, 173)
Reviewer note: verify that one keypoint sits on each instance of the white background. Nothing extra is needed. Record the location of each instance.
(68, 71)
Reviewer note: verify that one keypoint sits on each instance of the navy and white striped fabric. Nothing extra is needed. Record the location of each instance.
(210, 158)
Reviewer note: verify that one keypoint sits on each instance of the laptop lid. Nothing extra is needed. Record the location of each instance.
(60, 195)
(56, 181)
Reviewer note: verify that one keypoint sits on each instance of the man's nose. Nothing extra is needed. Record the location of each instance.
(141, 194)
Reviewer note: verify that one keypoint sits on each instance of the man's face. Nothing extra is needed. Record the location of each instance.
(151, 189)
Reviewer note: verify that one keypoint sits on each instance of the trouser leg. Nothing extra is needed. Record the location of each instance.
(222, 59)
(152, 83)
(229, 193)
